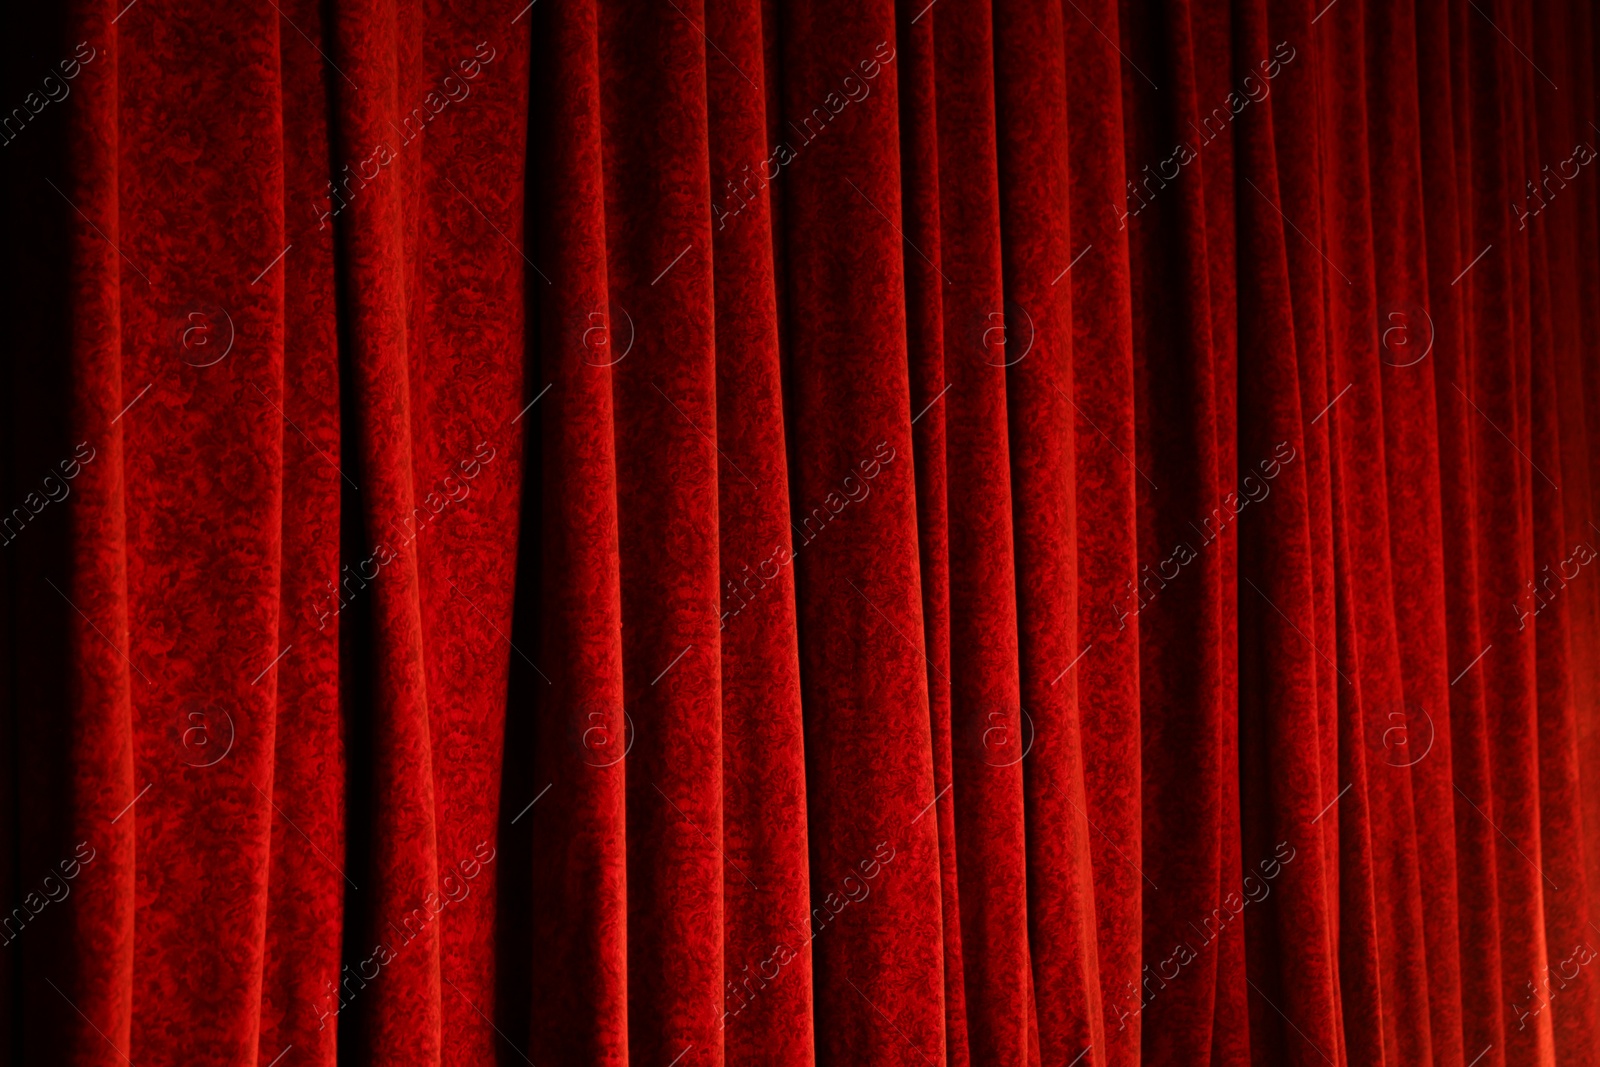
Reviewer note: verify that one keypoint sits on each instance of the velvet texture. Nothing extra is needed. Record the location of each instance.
(729, 532)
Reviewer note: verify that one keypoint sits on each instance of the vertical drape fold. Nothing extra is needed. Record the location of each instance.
(1032, 532)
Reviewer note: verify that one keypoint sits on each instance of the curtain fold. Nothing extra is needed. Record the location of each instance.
(722, 532)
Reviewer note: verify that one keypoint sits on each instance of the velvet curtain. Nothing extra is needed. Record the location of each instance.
(731, 532)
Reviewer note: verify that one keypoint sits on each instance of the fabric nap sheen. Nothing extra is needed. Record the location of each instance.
(1044, 532)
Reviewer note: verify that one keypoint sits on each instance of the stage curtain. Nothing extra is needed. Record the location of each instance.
(703, 532)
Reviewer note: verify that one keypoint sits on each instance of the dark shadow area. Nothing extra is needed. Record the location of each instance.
(356, 666)
(519, 787)
(35, 534)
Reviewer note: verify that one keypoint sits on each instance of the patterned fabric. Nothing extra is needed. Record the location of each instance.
(717, 532)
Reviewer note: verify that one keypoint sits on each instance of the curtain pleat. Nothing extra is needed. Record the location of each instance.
(1045, 533)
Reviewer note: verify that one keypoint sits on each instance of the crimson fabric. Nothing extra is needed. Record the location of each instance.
(727, 532)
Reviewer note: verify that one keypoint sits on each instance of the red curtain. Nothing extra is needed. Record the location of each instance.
(716, 531)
